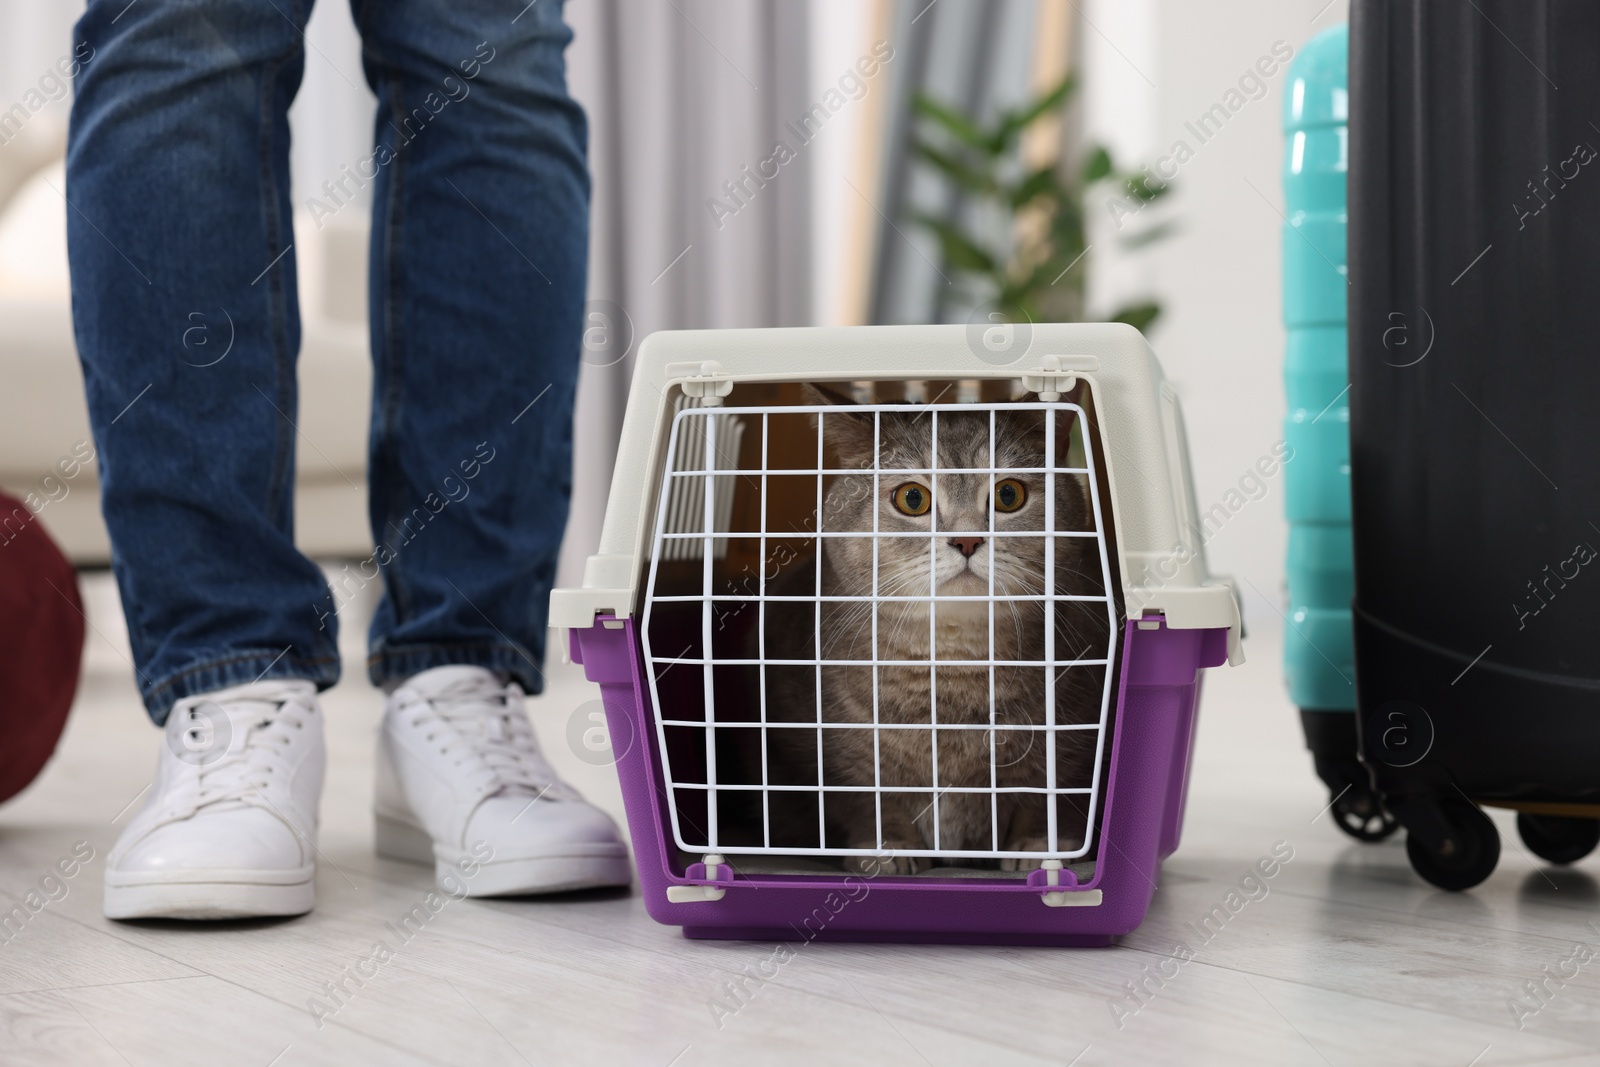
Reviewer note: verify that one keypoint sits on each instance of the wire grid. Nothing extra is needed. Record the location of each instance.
(695, 436)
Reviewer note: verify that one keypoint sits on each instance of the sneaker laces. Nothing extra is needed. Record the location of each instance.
(482, 725)
(230, 769)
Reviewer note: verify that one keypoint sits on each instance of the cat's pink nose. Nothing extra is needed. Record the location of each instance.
(967, 545)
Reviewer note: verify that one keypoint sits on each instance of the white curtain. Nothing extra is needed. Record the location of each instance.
(682, 96)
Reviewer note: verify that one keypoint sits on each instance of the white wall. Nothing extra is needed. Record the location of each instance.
(1222, 338)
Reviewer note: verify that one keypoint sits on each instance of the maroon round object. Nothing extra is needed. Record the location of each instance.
(41, 645)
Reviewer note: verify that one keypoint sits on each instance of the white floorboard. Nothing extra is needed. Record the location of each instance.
(1349, 959)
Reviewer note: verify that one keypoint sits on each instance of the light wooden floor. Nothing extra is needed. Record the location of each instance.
(1349, 959)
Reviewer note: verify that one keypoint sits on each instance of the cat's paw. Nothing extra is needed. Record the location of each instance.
(879, 865)
(1036, 843)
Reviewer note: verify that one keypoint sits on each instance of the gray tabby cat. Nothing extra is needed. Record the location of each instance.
(962, 562)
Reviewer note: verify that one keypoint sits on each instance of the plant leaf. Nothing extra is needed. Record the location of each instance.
(959, 250)
(1047, 274)
(1015, 304)
(1040, 181)
(1067, 226)
(1139, 186)
(1139, 316)
(956, 124)
(1098, 166)
(955, 169)
(1016, 121)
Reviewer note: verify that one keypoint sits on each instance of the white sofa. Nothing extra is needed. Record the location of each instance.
(43, 420)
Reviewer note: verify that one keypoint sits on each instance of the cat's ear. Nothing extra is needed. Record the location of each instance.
(1032, 423)
(848, 433)
(826, 393)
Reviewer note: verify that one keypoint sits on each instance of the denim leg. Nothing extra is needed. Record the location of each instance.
(183, 299)
(479, 253)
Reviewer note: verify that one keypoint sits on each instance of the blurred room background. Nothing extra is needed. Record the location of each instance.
(700, 220)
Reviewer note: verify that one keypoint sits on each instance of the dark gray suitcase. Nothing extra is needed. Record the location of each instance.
(1474, 251)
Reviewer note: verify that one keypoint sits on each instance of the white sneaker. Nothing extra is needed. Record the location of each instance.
(228, 830)
(461, 785)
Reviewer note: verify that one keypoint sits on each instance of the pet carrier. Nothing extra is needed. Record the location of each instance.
(908, 640)
(1318, 652)
(1473, 209)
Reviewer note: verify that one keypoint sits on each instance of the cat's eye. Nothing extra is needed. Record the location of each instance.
(912, 498)
(1009, 495)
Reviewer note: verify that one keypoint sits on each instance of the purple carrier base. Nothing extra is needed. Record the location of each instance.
(1141, 817)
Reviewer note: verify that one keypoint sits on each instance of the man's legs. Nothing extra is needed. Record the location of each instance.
(479, 238)
(479, 252)
(188, 328)
(183, 288)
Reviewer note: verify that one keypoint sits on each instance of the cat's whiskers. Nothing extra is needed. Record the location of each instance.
(907, 609)
(857, 612)
(849, 620)
(1018, 643)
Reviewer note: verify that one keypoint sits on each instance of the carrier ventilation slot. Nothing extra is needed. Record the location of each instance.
(686, 499)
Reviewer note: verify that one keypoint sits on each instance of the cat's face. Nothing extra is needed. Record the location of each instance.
(954, 515)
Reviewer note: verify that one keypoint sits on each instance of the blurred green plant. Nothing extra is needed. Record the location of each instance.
(1030, 277)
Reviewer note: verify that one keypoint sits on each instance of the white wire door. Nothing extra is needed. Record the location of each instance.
(953, 593)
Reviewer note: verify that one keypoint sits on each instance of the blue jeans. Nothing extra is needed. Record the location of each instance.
(178, 184)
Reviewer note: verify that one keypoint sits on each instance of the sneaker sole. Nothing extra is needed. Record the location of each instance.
(211, 895)
(575, 867)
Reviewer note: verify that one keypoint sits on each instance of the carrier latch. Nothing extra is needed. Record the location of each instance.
(1056, 375)
(704, 379)
(1052, 873)
(690, 894)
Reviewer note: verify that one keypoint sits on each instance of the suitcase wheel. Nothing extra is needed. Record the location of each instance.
(1466, 853)
(1558, 838)
(1359, 812)
(1358, 809)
